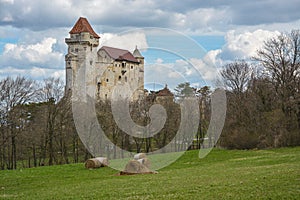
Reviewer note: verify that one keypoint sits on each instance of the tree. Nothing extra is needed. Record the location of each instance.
(110, 128)
(203, 95)
(236, 76)
(14, 92)
(51, 92)
(280, 57)
(171, 125)
(184, 90)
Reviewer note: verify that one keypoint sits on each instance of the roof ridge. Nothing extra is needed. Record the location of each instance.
(115, 48)
(119, 54)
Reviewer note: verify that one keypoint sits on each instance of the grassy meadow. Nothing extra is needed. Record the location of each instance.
(223, 174)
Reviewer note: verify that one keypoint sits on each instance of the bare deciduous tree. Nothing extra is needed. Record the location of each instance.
(51, 92)
(280, 57)
(13, 92)
(237, 75)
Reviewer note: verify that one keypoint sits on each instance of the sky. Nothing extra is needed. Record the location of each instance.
(180, 40)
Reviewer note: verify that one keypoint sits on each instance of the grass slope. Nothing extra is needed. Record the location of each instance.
(223, 174)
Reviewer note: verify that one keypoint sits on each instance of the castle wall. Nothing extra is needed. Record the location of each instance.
(119, 72)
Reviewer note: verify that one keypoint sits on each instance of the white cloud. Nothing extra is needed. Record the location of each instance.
(239, 46)
(245, 45)
(207, 19)
(7, 1)
(39, 54)
(35, 73)
(193, 16)
(196, 71)
(174, 75)
(205, 67)
(160, 74)
(124, 40)
(37, 60)
(159, 60)
(7, 18)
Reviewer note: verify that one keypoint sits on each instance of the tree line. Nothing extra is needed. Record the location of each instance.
(37, 126)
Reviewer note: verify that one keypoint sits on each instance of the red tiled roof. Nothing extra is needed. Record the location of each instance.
(164, 92)
(82, 25)
(119, 54)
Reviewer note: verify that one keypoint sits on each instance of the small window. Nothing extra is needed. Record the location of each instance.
(131, 67)
(84, 48)
(120, 78)
(123, 65)
(106, 80)
(91, 37)
(116, 65)
(105, 96)
(125, 78)
(98, 86)
(91, 62)
(76, 50)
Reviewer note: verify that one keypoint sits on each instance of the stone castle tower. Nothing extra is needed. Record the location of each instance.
(104, 68)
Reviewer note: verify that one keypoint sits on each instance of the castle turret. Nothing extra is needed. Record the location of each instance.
(82, 50)
(136, 53)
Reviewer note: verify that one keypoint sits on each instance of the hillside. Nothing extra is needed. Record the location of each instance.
(268, 174)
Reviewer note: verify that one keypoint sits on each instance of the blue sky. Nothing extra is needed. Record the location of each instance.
(210, 42)
(32, 33)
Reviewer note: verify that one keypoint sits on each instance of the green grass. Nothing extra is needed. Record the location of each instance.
(223, 174)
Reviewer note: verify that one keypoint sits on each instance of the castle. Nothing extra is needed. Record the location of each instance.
(104, 68)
